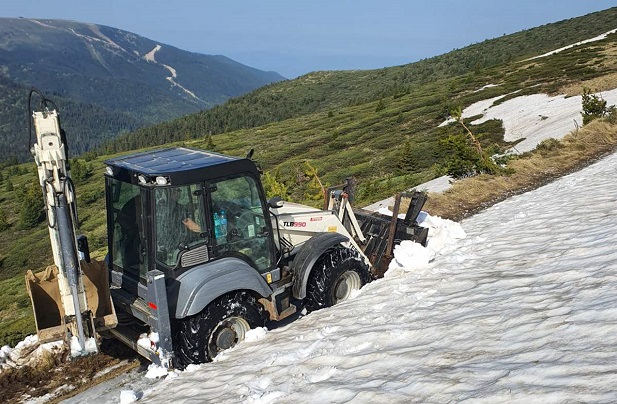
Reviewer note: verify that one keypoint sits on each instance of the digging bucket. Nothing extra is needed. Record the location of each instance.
(49, 313)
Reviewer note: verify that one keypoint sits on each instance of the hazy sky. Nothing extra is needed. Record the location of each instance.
(294, 37)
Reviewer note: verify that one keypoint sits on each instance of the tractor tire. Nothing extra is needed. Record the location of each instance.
(221, 325)
(336, 274)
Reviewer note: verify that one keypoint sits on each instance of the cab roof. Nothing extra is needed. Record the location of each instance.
(180, 165)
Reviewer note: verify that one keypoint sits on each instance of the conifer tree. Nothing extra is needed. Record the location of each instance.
(209, 143)
(31, 207)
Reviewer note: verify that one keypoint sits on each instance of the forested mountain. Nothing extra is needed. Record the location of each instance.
(97, 71)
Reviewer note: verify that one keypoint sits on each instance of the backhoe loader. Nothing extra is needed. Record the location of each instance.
(196, 255)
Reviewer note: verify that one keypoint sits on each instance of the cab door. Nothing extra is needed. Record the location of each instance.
(239, 222)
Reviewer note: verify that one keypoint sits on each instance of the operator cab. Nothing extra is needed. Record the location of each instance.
(177, 208)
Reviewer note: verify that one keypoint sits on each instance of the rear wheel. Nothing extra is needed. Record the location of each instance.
(219, 326)
(336, 275)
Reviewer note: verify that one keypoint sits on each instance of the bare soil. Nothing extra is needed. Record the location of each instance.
(64, 377)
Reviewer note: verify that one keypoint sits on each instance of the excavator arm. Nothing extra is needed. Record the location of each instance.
(76, 317)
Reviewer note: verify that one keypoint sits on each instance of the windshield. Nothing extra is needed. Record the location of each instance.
(180, 221)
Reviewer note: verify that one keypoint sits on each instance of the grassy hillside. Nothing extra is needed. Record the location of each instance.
(371, 140)
(361, 125)
(333, 90)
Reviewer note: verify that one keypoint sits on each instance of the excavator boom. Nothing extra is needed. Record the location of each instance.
(74, 314)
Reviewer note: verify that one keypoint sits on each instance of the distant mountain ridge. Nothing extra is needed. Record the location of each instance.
(118, 71)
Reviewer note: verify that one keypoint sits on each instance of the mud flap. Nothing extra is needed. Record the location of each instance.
(49, 313)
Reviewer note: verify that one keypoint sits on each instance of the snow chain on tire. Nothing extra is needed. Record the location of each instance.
(222, 324)
(338, 269)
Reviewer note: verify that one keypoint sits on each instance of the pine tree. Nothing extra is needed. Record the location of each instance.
(407, 162)
(209, 143)
(593, 106)
(466, 156)
(315, 189)
(31, 208)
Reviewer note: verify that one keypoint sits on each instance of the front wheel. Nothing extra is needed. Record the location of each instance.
(221, 325)
(336, 275)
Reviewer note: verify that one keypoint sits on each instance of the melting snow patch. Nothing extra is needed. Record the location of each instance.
(597, 38)
(128, 396)
(89, 346)
(533, 118)
(28, 352)
(255, 334)
(155, 371)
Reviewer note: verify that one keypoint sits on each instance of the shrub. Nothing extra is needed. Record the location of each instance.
(273, 186)
(549, 145)
(593, 107)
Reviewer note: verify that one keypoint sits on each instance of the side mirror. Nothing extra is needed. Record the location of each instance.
(276, 202)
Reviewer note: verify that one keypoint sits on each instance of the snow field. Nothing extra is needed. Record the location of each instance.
(522, 309)
(533, 117)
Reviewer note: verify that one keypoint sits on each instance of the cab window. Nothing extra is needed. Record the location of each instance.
(239, 225)
(129, 249)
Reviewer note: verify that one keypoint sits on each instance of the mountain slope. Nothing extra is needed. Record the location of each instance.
(118, 71)
(382, 126)
(334, 90)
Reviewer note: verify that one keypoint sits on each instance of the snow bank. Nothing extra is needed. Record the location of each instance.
(520, 310)
(441, 234)
(594, 39)
(28, 352)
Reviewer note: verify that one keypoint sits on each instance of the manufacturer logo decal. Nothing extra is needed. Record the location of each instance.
(294, 224)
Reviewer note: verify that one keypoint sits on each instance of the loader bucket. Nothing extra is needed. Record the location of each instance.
(49, 313)
(383, 232)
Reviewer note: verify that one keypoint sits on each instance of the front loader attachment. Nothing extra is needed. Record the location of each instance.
(377, 234)
(50, 314)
